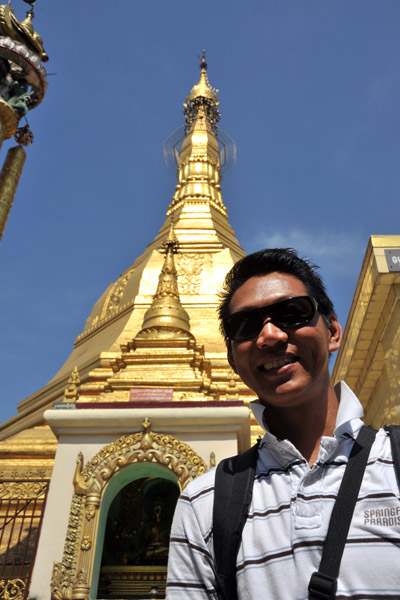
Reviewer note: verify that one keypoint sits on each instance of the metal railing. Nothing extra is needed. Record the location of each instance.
(22, 503)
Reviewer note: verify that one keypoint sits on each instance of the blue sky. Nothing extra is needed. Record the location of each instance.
(309, 90)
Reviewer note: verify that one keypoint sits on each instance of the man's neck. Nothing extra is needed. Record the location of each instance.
(305, 425)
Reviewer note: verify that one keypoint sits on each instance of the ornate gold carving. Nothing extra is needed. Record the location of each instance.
(12, 589)
(6, 474)
(116, 294)
(111, 306)
(146, 439)
(61, 582)
(21, 31)
(81, 578)
(80, 589)
(78, 481)
(71, 549)
(190, 268)
(22, 489)
(212, 460)
(139, 447)
(69, 579)
(90, 511)
(86, 543)
(71, 392)
(64, 572)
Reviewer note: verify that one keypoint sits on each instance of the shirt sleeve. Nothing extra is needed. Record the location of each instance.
(191, 573)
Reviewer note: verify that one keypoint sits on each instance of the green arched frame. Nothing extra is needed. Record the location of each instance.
(114, 486)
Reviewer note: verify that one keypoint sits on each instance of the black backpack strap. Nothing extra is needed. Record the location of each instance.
(323, 583)
(394, 432)
(232, 496)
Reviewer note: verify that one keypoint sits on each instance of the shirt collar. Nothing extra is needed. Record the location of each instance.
(350, 410)
(349, 414)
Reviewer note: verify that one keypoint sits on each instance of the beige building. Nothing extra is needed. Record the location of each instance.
(369, 359)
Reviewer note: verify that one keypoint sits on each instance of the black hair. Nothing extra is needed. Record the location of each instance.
(271, 260)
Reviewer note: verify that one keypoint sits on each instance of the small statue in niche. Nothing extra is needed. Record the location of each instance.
(156, 533)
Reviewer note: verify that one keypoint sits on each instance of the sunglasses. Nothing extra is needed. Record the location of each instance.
(290, 312)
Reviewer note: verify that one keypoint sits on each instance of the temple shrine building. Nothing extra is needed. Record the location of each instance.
(92, 464)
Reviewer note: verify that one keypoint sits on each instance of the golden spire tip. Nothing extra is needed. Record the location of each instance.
(170, 243)
(202, 59)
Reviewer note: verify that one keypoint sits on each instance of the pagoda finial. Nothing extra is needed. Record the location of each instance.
(202, 59)
(166, 316)
(202, 99)
(170, 244)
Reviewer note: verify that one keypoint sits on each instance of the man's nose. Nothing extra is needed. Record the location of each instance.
(271, 334)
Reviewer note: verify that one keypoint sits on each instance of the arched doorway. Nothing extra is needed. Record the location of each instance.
(144, 455)
(134, 527)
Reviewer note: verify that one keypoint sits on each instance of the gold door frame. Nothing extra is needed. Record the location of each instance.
(71, 578)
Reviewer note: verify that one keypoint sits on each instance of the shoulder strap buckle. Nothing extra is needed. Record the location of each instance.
(322, 587)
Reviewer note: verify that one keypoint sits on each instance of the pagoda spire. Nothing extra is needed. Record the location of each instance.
(166, 316)
(202, 101)
(199, 170)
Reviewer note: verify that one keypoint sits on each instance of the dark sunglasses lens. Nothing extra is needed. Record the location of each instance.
(243, 325)
(290, 312)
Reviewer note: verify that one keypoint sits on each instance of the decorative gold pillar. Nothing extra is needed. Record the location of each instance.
(9, 178)
(81, 586)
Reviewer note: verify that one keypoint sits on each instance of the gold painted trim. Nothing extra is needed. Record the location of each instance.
(12, 589)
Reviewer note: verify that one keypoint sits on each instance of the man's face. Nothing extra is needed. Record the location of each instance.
(285, 367)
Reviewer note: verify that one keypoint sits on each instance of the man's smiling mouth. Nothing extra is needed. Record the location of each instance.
(277, 363)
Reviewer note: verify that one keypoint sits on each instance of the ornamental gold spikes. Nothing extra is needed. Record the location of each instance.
(166, 317)
(71, 392)
(202, 101)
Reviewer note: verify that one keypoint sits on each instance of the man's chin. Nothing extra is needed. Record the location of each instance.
(285, 395)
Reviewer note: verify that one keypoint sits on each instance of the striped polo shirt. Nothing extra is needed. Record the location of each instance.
(288, 519)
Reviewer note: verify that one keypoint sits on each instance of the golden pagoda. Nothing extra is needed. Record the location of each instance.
(145, 402)
(92, 463)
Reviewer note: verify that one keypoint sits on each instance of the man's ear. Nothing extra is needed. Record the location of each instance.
(335, 333)
(230, 356)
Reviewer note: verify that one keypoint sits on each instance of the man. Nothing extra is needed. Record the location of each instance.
(280, 329)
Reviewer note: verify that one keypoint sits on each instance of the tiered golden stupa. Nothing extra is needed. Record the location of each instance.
(145, 402)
